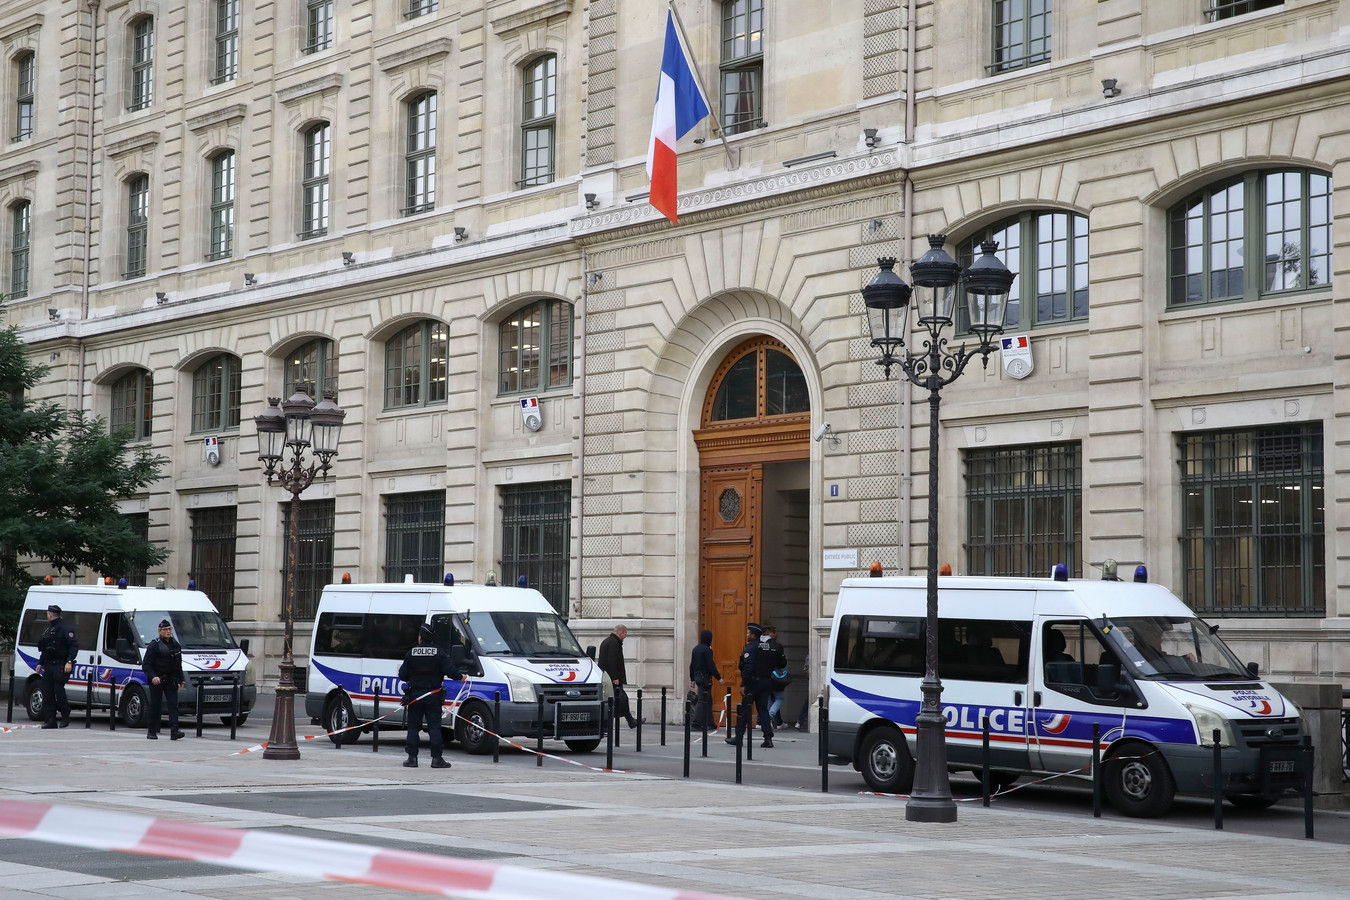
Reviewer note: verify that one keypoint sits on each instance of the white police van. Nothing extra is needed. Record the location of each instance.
(508, 640)
(113, 624)
(1045, 660)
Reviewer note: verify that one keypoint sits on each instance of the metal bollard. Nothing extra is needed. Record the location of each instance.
(824, 751)
(1096, 770)
(1308, 787)
(1218, 781)
(609, 733)
(9, 704)
(726, 708)
(89, 698)
(201, 700)
(497, 723)
(688, 731)
(704, 725)
(375, 725)
(740, 734)
(234, 708)
(984, 763)
(637, 746)
(539, 737)
(112, 702)
(749, 729)
(663, 715)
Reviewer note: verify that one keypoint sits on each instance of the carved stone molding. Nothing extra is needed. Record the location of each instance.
(225, 115)
(321, 85)
(22, 170)
(421, 53)
(510, 24)
(22, 33)
(133, 143)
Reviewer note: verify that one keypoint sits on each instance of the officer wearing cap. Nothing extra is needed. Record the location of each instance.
(758, 661)
(57, 648)
(163, 668)
(425, 668)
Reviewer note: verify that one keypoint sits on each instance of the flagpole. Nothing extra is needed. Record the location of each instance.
(721, 132)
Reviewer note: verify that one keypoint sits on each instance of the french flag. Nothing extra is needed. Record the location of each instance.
(680, 105)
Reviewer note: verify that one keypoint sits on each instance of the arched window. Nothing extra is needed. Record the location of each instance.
(314, 187)
(222, 206)
(539, 121)
(20, 237)
(1051, 248)
(420, 161)
(25, 86)
(415, 366)
(313, 367)
(132, 402)
(1259, 233)
(536, 347)
(138, 224)
(758, 380)
(215, 394)
(142, 63)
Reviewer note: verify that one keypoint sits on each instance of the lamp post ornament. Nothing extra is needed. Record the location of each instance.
(299, 424)
(987, 282)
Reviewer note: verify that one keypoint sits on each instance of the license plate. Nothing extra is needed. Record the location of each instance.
(1280, 765)
(576, 717)
(216, 697)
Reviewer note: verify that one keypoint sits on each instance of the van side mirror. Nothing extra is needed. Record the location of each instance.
(1253, 670)
(590, 650)
(243, 646)
(1108, 679)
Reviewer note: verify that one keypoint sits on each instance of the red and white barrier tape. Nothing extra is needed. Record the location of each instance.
(314, 737)
(425, 873)
(6, 728)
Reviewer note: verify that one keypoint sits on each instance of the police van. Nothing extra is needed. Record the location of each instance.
(507, 641)
(113, 624)
(1046, 660)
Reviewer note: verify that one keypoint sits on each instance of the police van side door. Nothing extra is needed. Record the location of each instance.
(1068, 699)
(984, 667)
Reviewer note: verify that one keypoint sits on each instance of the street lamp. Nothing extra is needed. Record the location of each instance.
(936, 276)
(300, 424)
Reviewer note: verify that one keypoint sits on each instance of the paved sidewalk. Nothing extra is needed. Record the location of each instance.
(742, 840)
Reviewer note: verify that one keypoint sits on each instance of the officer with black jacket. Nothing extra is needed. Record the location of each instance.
(758, 660)
(425, 668)
(163, 668)
(57, 648)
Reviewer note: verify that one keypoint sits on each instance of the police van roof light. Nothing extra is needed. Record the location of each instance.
(122, 584)
(945, 569)
(875, 570)
(522, 581)
(408, 579)
(192, 584)
(107, 581)
(1141, 574)
(47, 580)
(346, 577)
(1060, 572)
(160, 584)
(449, 580)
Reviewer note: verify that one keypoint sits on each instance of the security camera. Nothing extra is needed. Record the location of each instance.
(823, 430)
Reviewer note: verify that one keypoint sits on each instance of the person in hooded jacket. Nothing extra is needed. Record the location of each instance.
(702, 671)
(163, 667)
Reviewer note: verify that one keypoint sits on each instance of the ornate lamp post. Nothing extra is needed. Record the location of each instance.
(936, 275)
(299, 424)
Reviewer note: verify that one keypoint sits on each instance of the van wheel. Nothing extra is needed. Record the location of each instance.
(583, 746)
(998, 778)
(1252, 801)
(135, 707)
(34, 702)
(472, 729)
(337, 715)
(1138, 782)
(237, 721)
(885, 762)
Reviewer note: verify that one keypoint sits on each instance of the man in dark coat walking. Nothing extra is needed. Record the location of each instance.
(611, 663)
(425, 668)
(57, 648)
(163, 667)
(702, 671)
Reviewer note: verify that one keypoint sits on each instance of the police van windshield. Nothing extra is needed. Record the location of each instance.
(522, 634)
(1174, 648)
(195, 630)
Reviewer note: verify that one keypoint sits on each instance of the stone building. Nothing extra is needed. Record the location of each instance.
(438, 209)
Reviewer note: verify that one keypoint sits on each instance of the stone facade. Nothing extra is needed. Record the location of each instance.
(777, 233)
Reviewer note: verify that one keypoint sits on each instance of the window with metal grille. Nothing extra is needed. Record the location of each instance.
(313, 368)
(1052, 249)
(314, 186)
(742, 66)
(1212, 237)
(1024, 510)
(536, 538)
(138, 224)
(215, 394)
(1021, 34)
(1253, 521)
(140, 526)
(222, 206)
(314, 557)
(421, 8)
(1227, 9)
(213, 535)
(20, 236)
(538, 121)
(132, 401)
(420, 162)
(142, 63)
(227, 41)
(415, 366)
(25, 80)
(319, 26)
(536, 347)
(414, 536)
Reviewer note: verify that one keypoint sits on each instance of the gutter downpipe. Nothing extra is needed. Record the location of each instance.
(88, 199)
(581, 433)
(906, 242)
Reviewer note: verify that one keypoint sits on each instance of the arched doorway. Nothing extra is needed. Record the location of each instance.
(754, 446)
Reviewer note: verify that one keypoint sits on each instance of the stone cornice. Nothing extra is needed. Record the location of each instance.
(21, 170)
(135, 142)
(216, 116)
(525, 18)
(402, 58)
(321, 85)
(22, 26)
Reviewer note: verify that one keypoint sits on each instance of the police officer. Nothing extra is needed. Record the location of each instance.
(758, 661)
(57, 648)
(163, 668)
(425, 668)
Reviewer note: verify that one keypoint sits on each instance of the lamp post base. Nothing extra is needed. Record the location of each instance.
(931, 800)
(281, 743)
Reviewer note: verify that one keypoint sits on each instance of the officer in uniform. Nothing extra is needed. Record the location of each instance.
(758, 661)
(57, 648)
(163, 669)
(425, 667)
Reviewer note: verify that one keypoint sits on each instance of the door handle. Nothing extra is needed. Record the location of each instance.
(1017, 698)
(1035, 698)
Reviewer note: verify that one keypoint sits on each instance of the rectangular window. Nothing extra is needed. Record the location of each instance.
(1253, 521)
(24, 87)
(213, 536)
(222, 207)
(314, 189)
(20, 237)
(1227, 9)
(421, 8)
(420, 161)
(339, 634)
(138, 224)
(538, 121)
(319, 26)
(314, 559)
(969, 649)
(1024, 510)
(140, 526)
(142, 64)
(414, 536)
(742, 67)
(1021, 34)
(227, 41)
(536, 539)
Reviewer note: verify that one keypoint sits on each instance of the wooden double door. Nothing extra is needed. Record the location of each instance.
(732, 532)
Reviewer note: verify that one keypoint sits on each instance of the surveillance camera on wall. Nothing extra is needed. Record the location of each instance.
(825, 432)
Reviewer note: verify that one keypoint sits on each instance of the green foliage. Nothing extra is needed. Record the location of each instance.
(61, 475)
